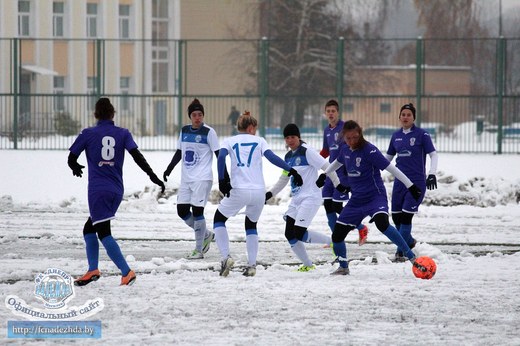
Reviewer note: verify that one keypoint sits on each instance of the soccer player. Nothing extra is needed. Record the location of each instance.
(411, 144)
(306, 199)
(332, 143)
(104, 146)
(195, 147)
(245, 189)
(363, 163)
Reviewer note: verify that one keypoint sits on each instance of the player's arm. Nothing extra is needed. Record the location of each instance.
(223, 185)
(280, 184)
(389, 157)
(143, 164)
(277, 161)
(226, 175)
(396, 172)
(175, 160)
(72, 161)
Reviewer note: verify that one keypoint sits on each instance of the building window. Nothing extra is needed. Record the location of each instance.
(58, 12)
(385, 107)
(160, 49)
(24, 18)
(59, 89)
(124, 21)
(124, 85)
(349, 107)
(91, 90)
(92, 10)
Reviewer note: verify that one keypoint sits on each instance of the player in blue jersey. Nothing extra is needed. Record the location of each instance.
(305, 200)
(411, 144)
(363, 163)
(246, 188)
(104, 146)
(196, 145)
(332, 143)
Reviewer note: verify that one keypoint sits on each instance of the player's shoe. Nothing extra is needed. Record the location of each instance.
(305, 268)
(129, 279)
(399, 257)
(194, 255)
(207, 242)
(341, 271)
(250, 271)
(363, 235)
(226, 265)
(89, 276)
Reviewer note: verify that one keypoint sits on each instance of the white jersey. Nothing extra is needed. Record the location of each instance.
(246, 152)
(307, 162)
(198, 147)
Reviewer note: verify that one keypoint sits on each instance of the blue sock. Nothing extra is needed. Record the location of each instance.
(92, 247)
(114, 252)
(406, 233)
(332, 217)
(340, 249)
(396, 238)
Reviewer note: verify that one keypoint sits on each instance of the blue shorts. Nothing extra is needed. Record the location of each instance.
(103, 205)
(329, 192)
(355, 211)
(402, 199)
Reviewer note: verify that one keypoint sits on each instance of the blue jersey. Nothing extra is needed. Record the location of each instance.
(104, 146)
(411, 149)
(364, 166)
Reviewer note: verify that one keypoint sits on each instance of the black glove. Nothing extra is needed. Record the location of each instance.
(268, 196)
(77, 170)
(298, 181)
(342, 188)
(157, 181)
(321, 180)
(431, 182)
(224, 186)
(166, 174)
(415, 191)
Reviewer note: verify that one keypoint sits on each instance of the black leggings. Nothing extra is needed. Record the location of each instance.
(102, 229)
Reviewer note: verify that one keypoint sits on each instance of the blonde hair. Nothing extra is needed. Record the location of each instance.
(246, 119)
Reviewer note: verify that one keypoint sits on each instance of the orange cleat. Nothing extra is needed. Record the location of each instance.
(90, 276)
(129, 279)
(363, 235)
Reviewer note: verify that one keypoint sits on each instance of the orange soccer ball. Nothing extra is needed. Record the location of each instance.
(431, 268)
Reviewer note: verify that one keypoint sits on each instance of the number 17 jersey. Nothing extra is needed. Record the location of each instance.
(246, 152)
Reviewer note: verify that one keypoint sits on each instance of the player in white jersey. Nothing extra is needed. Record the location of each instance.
(196, 145)
(246, 188)
(306, 199)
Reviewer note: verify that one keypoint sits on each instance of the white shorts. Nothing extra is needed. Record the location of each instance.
(253, 200)
(303, 211)
(195, 193)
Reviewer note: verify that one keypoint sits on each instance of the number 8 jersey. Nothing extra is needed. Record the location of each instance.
(104, 146)
(245, 152)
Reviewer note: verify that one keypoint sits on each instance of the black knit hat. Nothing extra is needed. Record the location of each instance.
(410, 107)
(195, 106)
(291, 130)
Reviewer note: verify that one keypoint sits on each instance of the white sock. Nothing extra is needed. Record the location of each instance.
(318, 238)
(189, 221)
(252, 248)
(299, 250)
(222, 239)
(199, 226)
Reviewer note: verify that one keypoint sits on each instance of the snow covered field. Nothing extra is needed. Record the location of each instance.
(470, 226)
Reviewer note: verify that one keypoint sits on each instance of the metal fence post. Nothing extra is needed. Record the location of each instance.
(15, 90)
(99, 66)
(419, 62)
(500, 91)
(179, 85)
(263, 84)
(340, 68)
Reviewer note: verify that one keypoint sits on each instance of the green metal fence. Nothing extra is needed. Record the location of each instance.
(467, 91)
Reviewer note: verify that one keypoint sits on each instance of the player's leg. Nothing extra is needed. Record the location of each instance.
(184, 205)
(254, 205)
(92, 249)
(199, 198)
(382, 224)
